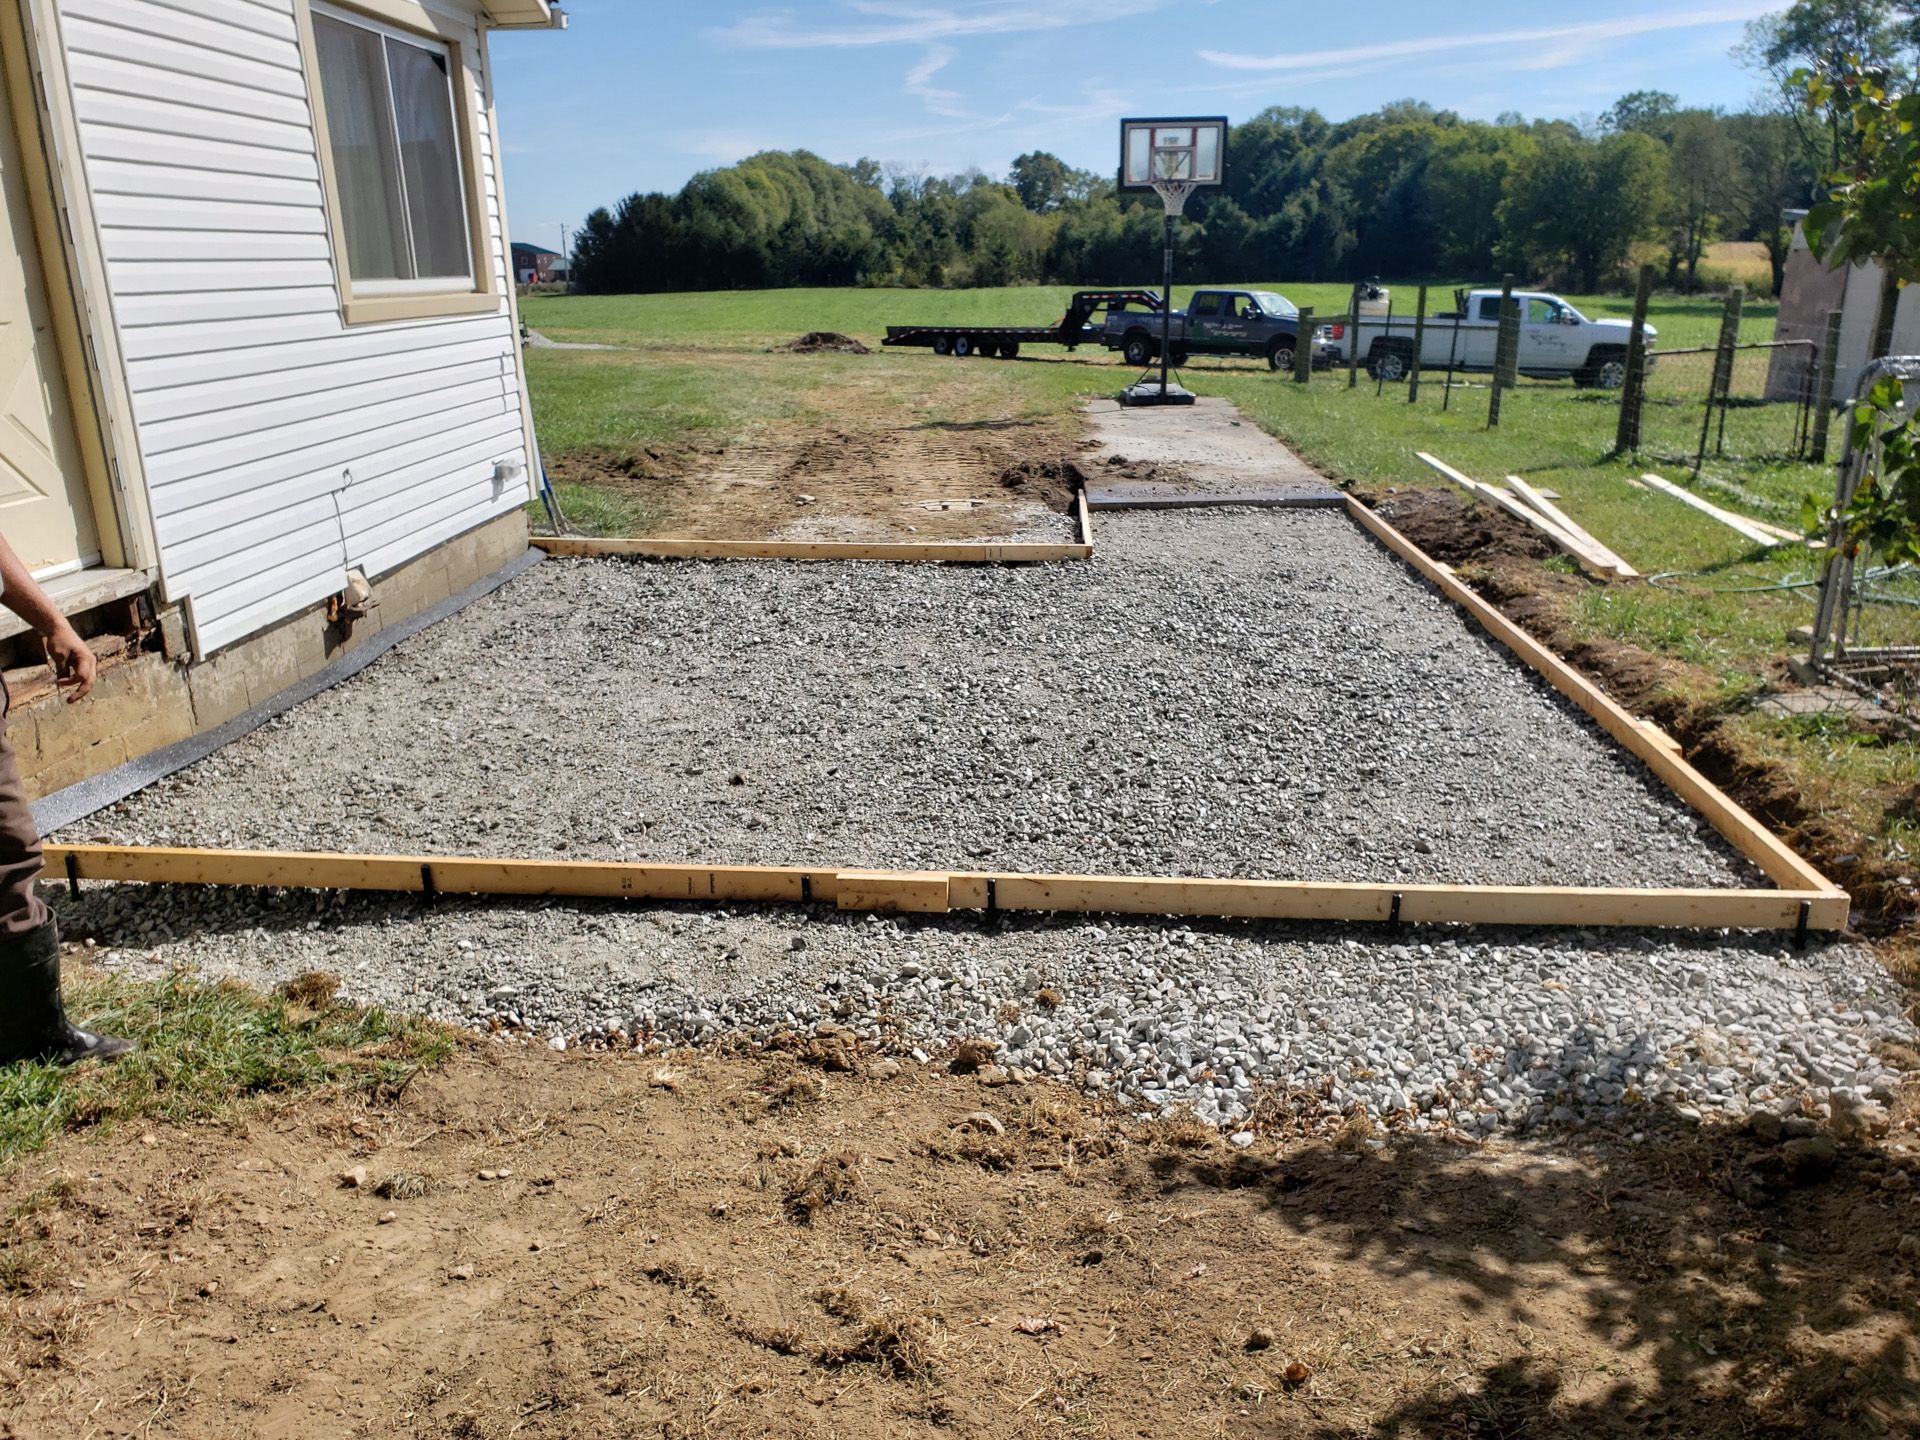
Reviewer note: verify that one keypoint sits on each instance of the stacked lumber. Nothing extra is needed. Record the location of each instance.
(1760, 532)
(1527, 505)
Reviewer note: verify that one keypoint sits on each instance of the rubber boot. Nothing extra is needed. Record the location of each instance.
(33, 1022)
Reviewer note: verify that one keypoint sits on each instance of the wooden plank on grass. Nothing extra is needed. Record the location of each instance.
(1747, 835)
(1589, 561)
(963, 552)
(936, 892)
(1544, 504)
(1753, 530)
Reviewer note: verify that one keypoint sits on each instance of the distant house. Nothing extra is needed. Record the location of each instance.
(536, 265)
(258, 347)
(1810, 292)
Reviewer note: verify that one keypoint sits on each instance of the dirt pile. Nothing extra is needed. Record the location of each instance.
(1155, 472)
(1053, 482)
(815, 342)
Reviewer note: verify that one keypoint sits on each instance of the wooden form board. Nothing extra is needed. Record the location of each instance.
(958, 552)
(940, 892)
(1544, 504)
(1804, 899)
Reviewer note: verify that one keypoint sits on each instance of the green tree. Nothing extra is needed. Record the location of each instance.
(1651, 112)
(1575, 208)
(1041, 181)
(1700, 163)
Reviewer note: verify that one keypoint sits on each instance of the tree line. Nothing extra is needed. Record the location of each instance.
(1406, 190)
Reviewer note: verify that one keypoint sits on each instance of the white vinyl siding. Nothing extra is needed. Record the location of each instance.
(253, 400)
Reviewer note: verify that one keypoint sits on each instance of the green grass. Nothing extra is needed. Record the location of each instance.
(204, 1049)
(760, 319)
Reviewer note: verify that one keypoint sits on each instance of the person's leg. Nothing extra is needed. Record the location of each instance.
(33, 1023)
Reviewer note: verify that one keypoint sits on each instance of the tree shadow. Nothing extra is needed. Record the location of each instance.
(1748, 1286)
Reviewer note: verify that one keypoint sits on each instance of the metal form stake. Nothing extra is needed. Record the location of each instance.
(1823, 388)
(1633, 392)
(1419, 343)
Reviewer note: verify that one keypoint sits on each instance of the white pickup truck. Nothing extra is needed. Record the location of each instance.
(1557, 342)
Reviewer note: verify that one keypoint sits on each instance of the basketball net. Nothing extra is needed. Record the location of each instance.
(1173, 194)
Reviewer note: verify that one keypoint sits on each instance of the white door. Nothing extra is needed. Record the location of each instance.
(44, 509)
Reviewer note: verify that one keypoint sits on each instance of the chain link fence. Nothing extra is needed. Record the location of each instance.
(1741, 402)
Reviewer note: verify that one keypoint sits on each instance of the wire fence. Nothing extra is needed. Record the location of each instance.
(1743, 402)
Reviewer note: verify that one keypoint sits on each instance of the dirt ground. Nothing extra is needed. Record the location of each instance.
(533, 1244)
(858, 465)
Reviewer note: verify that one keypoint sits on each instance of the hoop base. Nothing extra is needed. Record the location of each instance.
(1148, 392)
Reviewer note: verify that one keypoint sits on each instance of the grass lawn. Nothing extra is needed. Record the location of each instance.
(205, 1048)
(699, 367)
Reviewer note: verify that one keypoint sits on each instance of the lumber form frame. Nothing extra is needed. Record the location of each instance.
(1805, 900)
(958, 552)
(940, 892)
(1593, 562)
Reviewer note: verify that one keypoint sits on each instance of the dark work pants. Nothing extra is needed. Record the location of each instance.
(21, 910)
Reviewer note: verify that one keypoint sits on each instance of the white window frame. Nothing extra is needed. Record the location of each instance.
(375, 301)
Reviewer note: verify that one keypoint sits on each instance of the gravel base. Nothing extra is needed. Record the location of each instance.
(1471, 1030)
(1255, 693)
(1252, 693)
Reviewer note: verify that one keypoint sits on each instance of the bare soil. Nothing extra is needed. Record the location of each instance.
(529, 1244)
(858, 466)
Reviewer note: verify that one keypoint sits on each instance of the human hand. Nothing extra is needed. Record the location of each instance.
(73, 663)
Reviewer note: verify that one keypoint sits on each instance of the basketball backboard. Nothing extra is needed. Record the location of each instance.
(1189, 152)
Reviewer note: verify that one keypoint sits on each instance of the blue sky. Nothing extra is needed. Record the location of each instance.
(642, 94)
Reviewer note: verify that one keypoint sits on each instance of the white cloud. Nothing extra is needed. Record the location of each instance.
(893, 22)
(1577, 38)
(724, 146)
(919, 81)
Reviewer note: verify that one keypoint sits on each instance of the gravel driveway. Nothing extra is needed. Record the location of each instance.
(1244, 693)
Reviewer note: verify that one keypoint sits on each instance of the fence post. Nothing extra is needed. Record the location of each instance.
(1379, 375)
(1509, 325)
(1353, 341)
(1633, 393)
(1419, 343)
(1303, 346)
(1721, 382)
(1823, 387)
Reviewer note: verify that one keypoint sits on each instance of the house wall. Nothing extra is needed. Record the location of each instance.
(281, 447)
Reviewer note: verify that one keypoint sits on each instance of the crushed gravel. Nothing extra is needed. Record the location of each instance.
(1255, 693)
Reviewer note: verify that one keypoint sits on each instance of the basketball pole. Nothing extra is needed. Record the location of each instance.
(1166, 303)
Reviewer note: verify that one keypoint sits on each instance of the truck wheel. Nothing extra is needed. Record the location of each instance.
(1177, 356)
(1139, 348)
(1280, 356)
(1605, 370)
(986, 349)
(943, 344)
(963, 345)
(1388, 365)
(1009, 349)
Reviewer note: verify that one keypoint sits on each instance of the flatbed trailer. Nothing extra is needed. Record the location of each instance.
(1070, 330)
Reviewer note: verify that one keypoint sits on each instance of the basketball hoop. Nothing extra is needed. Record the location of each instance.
(1172, 158)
